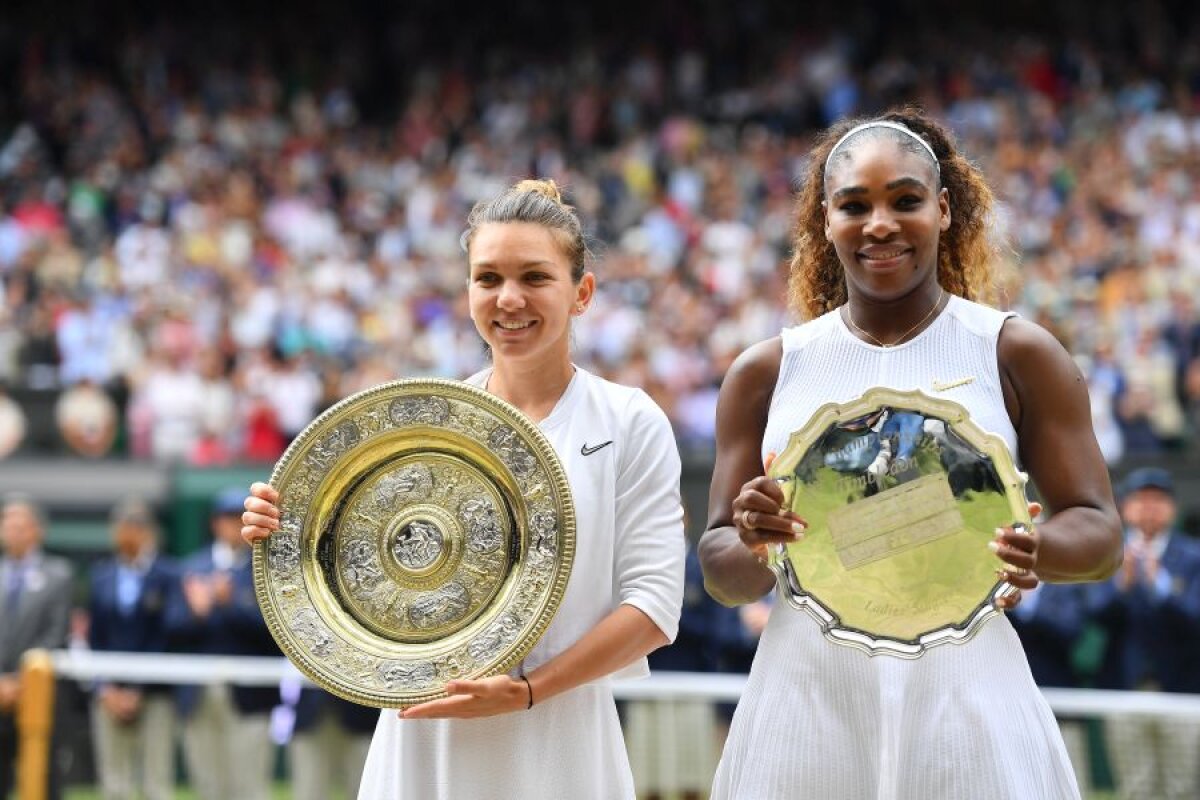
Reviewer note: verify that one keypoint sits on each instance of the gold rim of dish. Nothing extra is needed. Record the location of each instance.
(352, 633)
(957, 417)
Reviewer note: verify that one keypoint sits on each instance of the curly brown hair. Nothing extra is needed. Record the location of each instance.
(967, 251)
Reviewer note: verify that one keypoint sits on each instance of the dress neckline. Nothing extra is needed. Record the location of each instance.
(846, 330)
(558, 413)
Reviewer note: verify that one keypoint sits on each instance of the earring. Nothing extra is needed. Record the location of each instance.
(579, 308)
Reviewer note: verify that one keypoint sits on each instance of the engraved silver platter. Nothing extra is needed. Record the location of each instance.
(902, 492)
(427, 534)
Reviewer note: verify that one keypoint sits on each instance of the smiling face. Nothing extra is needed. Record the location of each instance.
(521, 293)
(883, 214)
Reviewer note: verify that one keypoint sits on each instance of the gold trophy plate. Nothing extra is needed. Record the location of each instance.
(901, 492)
(427, 534)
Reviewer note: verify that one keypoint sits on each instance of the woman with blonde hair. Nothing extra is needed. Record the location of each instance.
(550, 729)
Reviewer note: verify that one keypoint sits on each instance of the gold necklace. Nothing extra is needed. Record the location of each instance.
(903, 336)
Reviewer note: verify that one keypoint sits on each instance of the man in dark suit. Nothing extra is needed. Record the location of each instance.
(1151, 612)
(1049, 621)
(212, 609)
(133, 726)
(35, 609)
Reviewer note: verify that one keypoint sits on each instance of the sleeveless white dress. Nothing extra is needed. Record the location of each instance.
(622, 464)
(823, 721)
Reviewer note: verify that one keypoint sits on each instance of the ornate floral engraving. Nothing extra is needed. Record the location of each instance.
(406, 485)
(359, 666)
(440, 607)
(418, 544)
(417, 531)
(374, 420)
(535, 489)
(420, 411)
(380, 602)
(454, 666)
(360, 566)
(360, 526)
(449, 482)
(313, 632)
(403, 675)
(486, 646)
(508, 445)
(284, 551)
(298, 490)
(482, 522)
(495, 638)
(543, 525)
(334, 443)
(471, 422)
(291, 522)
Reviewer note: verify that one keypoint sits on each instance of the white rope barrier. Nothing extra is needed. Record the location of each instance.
(1102, 703)
(178, 668)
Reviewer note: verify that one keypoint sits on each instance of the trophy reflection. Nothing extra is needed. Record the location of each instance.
(901, 493)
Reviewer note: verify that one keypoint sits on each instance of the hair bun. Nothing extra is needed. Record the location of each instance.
(538, 202)
(543, 186)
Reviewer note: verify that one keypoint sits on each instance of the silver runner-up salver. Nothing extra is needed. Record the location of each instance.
(426, 535)
(901, 493)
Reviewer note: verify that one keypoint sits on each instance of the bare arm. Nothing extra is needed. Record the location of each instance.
(734, 572)
(625, 635)
(648, 568)
(621, 638)
(1047, 400)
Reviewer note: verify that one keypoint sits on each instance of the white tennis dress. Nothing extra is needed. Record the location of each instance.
(822, 721)
(623, 467)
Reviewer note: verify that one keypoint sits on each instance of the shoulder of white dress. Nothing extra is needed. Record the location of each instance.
(479, 379)
(977, 318)
(618, 396)
(799, 335)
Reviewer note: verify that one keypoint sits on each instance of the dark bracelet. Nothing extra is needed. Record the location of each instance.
(530, 688)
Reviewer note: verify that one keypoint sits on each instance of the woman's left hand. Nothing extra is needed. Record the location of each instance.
(486, 697)
(1017, 546)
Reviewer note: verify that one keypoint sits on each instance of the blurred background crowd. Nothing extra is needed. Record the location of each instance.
(227, 227)
(215, 225)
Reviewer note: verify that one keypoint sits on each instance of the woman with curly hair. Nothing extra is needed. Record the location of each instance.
(892, 254)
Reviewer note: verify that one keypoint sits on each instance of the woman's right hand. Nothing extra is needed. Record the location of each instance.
(761, 520)
(262, 514)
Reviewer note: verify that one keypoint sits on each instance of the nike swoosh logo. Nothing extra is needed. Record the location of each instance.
(587, 451)
(945, 386)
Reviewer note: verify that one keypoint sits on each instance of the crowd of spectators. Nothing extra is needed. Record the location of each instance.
(224, 240)
(226, 244)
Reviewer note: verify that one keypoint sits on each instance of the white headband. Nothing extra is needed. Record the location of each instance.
(881, 123)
